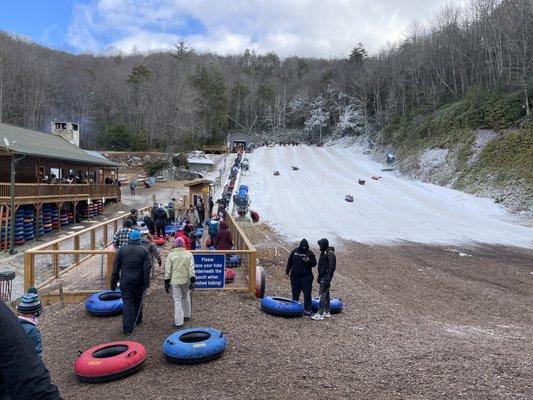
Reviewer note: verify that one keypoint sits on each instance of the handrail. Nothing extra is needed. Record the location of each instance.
(73, 235)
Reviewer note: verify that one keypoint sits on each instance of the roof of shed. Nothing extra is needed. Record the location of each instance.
(40, 144)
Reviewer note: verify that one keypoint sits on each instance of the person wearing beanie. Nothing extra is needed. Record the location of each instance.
(180, 233)
(122, 236)
(223, 239)
(132, 269)
(28, 311)
(212, 227)
(180, 276)
(22, 373)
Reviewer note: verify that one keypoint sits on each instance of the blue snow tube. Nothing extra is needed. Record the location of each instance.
(199, 232)
(105, 303)
(194, 345)
(170, 229)
(282, 307)
(335, 305)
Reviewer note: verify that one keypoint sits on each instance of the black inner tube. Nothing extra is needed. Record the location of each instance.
(194, 337)
(282, 299)
(110, 296)
(110, 351)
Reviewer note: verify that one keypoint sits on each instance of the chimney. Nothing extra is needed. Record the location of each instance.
(67, 130)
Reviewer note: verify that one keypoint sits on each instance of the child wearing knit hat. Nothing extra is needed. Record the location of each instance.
(28, 311)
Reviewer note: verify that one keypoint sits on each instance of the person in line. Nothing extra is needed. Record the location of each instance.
(201, 211)
(180, 276)
(28, 311)
(300, 270)
(149, 222)
(326, 268)
(171, 212)
(160, 222)
(132, 270)
(133, 185)
(211, 205)
(212, 227)
(23, 376)
(133, 215)
(191, 234)
(192, 216)
(122, 236)
(223, 239)
(148, 243)
(182, 234)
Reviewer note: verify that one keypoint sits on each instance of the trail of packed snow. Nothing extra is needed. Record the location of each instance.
(310, 202)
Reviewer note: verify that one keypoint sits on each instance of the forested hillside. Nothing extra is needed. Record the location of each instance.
(151, 100)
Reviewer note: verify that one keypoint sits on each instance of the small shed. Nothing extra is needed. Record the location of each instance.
(238, 141)
(199, 189)
(200, 162)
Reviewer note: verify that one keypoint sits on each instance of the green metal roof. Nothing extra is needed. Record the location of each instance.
(39, 144)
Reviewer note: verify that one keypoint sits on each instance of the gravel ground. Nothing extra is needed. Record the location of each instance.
(420, 322)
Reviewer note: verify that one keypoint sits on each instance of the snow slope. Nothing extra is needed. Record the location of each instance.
(310, 202)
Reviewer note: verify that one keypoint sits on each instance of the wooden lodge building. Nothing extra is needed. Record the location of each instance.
(51, 171)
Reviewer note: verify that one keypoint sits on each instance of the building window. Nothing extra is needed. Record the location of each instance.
(75, 127)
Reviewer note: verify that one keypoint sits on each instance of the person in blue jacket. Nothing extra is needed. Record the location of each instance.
(28, 311)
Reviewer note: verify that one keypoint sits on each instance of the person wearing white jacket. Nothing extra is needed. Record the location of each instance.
(179, 274)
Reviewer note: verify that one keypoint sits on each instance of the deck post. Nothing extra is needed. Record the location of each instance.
(29, 271)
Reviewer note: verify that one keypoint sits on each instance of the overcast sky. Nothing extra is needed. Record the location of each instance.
(316, 28)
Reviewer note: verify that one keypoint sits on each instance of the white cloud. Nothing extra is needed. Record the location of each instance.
(319, 28)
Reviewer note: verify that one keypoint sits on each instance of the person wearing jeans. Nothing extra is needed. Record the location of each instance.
(326, 268)
(180, 276)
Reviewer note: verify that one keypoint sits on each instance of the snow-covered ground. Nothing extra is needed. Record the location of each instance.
(310, 202)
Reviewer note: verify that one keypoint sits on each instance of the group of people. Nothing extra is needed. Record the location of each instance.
(299, 270)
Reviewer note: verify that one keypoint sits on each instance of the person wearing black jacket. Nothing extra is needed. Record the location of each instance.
(132, 268)
(326, 268)
(300, 269)
(161, 220)
(23, 375)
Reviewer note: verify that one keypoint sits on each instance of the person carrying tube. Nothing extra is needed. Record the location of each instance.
(180, 277)
(132, 269)
(326, 268)
(300, 270)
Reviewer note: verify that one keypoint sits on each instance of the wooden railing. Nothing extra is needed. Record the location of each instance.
(57, 191)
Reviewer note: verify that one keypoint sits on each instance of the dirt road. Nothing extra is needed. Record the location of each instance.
(420, 322)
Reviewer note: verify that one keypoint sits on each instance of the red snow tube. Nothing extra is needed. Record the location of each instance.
(255, 216)
(109, 361)
(160, 241)
(229, 275)
(260, 282)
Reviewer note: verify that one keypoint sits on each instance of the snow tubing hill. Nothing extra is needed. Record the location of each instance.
(260, 281)
(105, 303)
(335, 305)
(109, 361)
(194, 345)
(282, 307)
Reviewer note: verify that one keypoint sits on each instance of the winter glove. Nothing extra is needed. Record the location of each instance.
(192, 281)
(167, 285)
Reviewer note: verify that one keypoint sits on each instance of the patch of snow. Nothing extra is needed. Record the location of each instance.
(310, 202)
(465, 255)
(483, 137)
(432, 158)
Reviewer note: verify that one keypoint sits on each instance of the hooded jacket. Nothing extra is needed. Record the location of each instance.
(132, 266)
(326, 263)
(213, 227)
(192, 216)
(301, 261)
(22, 373)
(185, 238)
(149, 222)
(160, 217)
(223, 239)
(179, 266)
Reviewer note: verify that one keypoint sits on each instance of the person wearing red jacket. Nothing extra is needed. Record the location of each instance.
(223, 239)
(185, 238)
